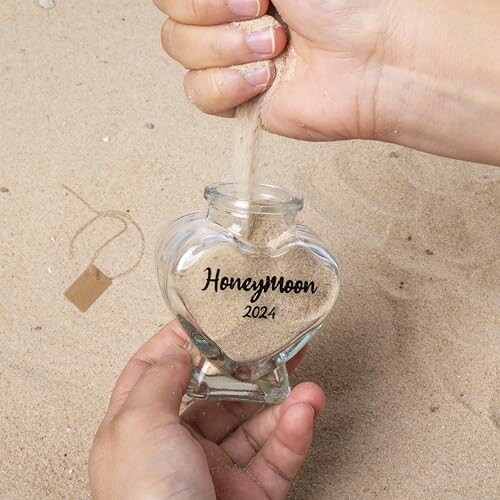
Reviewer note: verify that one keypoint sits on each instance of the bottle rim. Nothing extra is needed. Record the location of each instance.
(268, 199)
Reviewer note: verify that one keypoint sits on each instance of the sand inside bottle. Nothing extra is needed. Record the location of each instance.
(226, 316)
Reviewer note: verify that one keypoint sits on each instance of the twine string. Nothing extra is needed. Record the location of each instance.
(123, 217)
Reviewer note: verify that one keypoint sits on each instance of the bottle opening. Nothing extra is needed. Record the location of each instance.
(265, 199)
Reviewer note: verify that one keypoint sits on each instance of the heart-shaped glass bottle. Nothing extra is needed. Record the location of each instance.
(250, 288)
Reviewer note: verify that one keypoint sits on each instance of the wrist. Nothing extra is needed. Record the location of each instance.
(439, 80)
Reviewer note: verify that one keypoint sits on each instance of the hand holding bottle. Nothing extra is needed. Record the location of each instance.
(144, 449)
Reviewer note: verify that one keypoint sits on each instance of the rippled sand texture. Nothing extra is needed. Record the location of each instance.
(409, 359)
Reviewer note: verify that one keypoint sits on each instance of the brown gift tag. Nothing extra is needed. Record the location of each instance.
(89, 286)
(92, 283)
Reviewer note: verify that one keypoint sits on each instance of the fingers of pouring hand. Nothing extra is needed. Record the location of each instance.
(219, 90)
(200, 47)
(212, 12)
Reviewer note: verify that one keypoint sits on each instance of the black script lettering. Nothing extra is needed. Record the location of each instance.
(258, 286)
(235, 283)
(311, 285)
(215, 280)
(224, 282)
(247, 285)
(277, 283)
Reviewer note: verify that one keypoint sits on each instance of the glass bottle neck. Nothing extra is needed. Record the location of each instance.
(256, 228)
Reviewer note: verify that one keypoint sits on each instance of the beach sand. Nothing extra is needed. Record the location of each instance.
(410, 357)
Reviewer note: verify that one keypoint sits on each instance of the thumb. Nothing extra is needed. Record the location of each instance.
(161, 387)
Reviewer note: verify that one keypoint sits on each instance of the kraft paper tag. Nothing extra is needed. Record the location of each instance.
(89, 286)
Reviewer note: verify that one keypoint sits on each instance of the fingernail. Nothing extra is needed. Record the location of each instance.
(258, 76)
(262, 42)
(244, 8)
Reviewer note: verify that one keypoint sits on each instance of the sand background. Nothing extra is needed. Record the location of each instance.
(411, 370)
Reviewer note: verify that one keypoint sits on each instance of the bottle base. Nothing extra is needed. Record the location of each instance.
(272, 389)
